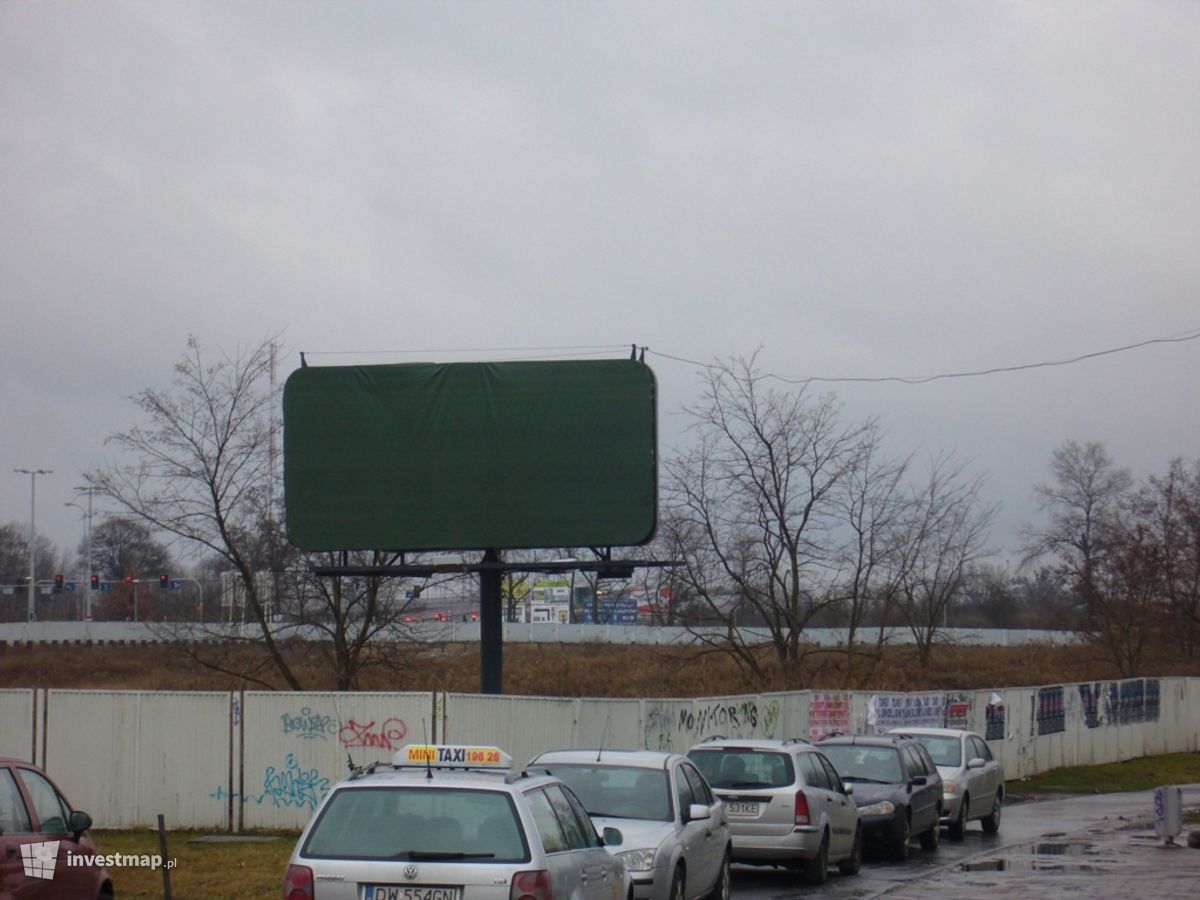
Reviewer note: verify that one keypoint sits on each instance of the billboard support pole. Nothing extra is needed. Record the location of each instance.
(491, 625)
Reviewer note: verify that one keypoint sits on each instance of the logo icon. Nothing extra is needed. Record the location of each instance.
(410, 872)
(39, 859)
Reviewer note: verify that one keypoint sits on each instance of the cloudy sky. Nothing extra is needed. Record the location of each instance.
(860, 189)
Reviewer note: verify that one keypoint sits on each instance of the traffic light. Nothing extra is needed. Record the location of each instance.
(129, 579)
(95, 582)
(162, 582)
(58, 582)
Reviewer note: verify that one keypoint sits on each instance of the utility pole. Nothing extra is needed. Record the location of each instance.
(33, 474)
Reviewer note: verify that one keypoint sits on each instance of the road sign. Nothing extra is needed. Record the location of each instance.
(69, 586)
(176, 585)
(106, 585)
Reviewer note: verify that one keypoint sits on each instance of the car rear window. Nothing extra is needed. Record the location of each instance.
(418, 823)
(623, 792)
(743, 767)
(858, 763)
(946, 751)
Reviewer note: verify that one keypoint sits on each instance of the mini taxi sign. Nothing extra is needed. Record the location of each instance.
(452, 756)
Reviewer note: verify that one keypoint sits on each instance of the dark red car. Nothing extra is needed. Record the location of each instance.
(38, 829)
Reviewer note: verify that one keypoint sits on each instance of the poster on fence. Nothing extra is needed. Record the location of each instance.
(888, 711)
(995, 717)
(958, 711)
(828, 712)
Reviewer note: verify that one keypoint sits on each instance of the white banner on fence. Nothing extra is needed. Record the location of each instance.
(888, 711)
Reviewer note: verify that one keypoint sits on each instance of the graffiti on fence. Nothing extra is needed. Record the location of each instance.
(689, 723)
(386, 735)
(286, 786)
(309, 725)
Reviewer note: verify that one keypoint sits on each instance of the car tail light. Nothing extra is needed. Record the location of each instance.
(298, 883)
(802, 809)
(533, 885)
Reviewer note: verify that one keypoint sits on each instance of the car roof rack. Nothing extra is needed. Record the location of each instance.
(714, 737)
(797, 740)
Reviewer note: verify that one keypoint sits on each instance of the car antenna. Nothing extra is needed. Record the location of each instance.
(603, 734)
(428, 755)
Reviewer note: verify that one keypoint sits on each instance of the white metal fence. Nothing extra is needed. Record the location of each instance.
(265, 759)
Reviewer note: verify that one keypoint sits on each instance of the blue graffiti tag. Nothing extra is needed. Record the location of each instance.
(289, 786)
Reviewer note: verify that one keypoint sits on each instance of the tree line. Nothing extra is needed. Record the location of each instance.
(782, 514)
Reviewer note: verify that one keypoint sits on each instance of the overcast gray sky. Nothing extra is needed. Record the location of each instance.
(860, 189)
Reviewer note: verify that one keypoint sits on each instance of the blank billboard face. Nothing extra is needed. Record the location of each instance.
(468, 456)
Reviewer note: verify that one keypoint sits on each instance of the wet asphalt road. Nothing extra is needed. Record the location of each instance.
(1100, 846)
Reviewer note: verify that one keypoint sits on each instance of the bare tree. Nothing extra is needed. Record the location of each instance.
(200, 469)
(945, 532)
(1172, 502)
(759, 492)
(873, 508)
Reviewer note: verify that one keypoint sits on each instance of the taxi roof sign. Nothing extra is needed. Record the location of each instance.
(451, 756)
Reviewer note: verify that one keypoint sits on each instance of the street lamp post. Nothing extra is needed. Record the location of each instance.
(87, 536)
(33, 474)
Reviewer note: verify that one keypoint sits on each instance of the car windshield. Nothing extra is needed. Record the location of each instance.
(622, 792)
(741, 767)
(946, 751)
(418, 823)
(871, 764)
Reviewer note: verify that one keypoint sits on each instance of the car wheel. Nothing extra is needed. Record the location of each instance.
(991, 823)
(677, 885)
(959, 826)
(853, 863)
(931, 838)
(900, 846)
(721, 889)
(815, 870)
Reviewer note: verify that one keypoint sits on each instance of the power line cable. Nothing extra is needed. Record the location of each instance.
(925, 379)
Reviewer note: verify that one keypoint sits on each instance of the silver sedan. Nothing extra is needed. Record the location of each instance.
(972, 778)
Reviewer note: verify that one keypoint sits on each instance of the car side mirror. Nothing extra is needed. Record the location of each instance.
(847, 788)
(977, 763)
(613, 837)
(920, 780)
(77, 823)
(698, 811)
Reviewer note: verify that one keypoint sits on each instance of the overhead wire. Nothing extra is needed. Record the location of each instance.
(925, 379)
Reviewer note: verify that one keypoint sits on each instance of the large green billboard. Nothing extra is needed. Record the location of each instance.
(465, 456)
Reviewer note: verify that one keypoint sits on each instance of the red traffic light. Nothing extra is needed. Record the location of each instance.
(129, 579)
(58, 582)
(162, 582)
(95, 582)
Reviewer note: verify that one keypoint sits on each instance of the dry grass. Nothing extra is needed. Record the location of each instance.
(203, 871)
(574, 670)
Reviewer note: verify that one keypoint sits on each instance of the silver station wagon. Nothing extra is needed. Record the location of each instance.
(786, 804)
(451, 823)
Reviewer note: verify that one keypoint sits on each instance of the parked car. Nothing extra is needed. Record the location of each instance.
(897, 788)
(972, 779)
(658, 815)
(786, 804)
(451, 823)
(38, 829)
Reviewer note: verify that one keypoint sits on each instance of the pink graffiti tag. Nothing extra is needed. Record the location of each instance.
(387, 736)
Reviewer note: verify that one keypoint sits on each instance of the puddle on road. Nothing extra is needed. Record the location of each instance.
(1044, 856)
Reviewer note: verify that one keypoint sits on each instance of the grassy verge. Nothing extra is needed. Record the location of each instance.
(1131, 775)
(230, 870)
